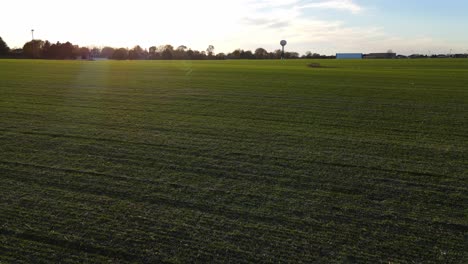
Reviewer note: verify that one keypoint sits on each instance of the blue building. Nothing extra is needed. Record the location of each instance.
(344, 56)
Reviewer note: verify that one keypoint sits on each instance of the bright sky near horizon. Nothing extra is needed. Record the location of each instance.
(322, 26)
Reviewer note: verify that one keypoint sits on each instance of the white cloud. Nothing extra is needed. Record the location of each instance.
(347, 5)
(269, 21)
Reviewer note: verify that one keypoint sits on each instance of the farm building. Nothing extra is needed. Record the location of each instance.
(342, 56)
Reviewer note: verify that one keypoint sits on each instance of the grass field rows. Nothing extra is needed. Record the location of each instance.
(233, 161)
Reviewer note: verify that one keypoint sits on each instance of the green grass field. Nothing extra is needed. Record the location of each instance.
(234, 161)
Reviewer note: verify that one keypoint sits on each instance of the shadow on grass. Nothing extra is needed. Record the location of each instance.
(318, 65)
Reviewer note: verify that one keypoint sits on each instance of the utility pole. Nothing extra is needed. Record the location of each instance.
(32, 42)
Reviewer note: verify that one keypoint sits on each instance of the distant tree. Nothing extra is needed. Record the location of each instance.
(190, 54)
(261, 53)
(46, 50)
(137, 53)
(145, 54)
(276, 54)
(210, 50)
(107, 52)
(166, 47)
(291, 55)
(4, 49)
(84, 53)
(166, 55)
(76, 52)
(197, 55)
(179, 53)
(54, 50)
(16, 53)
(247, 55)
(309, 55)
(235, 54)
(95, 52)
(33, 49)
(120, 54)
(66, 51)
(221, 56)
(153, 53)
(167, 52)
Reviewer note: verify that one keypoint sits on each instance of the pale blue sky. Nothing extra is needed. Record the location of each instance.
(323, 26)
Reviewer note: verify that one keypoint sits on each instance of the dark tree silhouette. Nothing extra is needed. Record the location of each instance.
(153, 53)
(247, 55)
(54, 50)
(190, 54)
(33, 49)
(182, 48)
(107, 52)
(46, 50)
(84, 53)
(167, 52)
(120, 54)
(261, 53)
(4, 49)
(235, 54)
(308, 55)
(221, 56)
(291, 55)
(137, 53)
(179, 53)
(277, 54)
(66, 51)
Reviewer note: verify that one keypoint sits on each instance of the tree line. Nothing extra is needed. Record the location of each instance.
(38, 49)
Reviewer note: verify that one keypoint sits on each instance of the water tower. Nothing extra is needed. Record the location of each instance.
(283, 43)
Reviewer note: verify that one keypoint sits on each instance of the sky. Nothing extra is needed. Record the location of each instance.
(319, 26)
